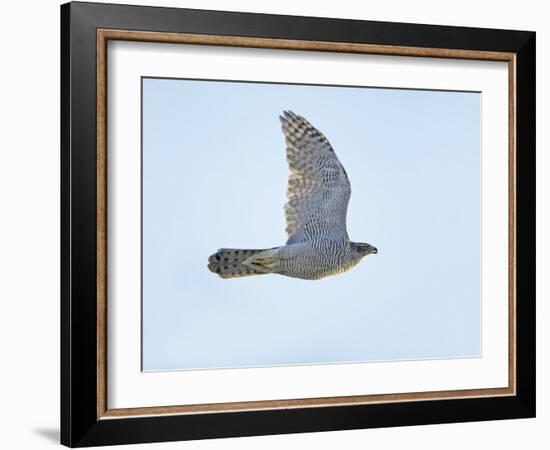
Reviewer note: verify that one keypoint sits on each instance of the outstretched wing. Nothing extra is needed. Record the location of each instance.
(318, 187)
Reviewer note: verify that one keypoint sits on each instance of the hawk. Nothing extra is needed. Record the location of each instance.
(318, 195)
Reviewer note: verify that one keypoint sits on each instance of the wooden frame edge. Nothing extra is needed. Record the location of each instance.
(101, 223)
(303, 403)
(103, 35)
(512, 200)
(289, 44)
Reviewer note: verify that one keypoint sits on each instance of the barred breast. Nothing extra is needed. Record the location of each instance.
(315, 260)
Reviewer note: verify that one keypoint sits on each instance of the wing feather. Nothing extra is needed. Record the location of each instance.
(318, 187)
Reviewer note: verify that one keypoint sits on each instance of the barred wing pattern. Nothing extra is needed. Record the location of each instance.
(318, 187)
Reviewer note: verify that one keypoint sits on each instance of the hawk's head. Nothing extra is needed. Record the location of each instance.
(364, 249)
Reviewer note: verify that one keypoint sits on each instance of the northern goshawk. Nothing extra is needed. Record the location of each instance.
(318, 195)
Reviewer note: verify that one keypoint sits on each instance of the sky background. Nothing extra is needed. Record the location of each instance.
(215, 175)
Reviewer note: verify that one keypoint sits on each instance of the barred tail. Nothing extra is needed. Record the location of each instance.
(234, 263)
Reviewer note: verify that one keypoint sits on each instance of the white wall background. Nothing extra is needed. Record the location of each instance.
(29, 225)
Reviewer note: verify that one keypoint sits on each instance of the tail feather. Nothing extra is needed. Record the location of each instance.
(234, 263)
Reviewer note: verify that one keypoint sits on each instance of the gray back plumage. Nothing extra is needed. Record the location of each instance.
(318, 186)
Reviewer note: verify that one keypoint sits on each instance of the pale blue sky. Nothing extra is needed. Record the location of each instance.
(214, 175)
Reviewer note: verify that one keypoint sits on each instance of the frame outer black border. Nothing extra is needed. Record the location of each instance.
(79, 426)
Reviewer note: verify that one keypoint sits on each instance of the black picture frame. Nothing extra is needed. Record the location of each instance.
(80, 425)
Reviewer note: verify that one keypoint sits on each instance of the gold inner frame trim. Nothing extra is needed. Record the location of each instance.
(103, 36)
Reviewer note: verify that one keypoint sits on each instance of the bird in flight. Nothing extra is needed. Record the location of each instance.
(318, 195)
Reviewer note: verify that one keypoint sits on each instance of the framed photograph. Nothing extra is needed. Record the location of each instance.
(219, 278)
